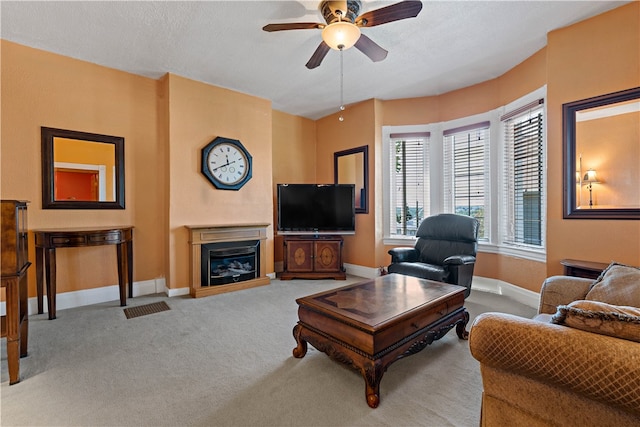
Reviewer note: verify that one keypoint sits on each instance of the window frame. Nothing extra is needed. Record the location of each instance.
(495, 244)
(387, 131)
(448, 163)
(522, 250)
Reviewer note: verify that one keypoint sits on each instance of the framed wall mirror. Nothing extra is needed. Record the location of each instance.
(352, 167)
(82, 170)
(601, 154)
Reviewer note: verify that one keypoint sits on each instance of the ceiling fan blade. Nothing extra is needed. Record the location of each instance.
(370, 48)
(318, 56)
(395, 12)
(293, 26)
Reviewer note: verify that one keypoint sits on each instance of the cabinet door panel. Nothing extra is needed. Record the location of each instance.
(327, 256)
(299, 256)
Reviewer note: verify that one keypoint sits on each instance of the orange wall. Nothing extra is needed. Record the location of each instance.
(570, 52)
(293, 160)
(593, 57)
(486, 96)
(198, 113)
(357, 129)
(45, 89)
(166, 122)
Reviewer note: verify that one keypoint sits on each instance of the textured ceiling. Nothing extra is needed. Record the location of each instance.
(451, 44)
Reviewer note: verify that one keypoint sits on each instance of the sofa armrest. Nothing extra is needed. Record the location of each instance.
(459, 260)
(562, 290)
(598, 367)
(403, 255)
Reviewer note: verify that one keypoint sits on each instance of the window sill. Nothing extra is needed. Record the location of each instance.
(399, 241)
(539, 255)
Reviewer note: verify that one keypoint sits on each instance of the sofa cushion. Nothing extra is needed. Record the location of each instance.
(600, 318)
(618, 284)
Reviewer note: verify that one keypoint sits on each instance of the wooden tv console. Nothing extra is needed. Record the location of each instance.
(313, 257)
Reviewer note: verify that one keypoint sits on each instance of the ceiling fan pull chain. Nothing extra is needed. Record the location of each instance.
(341, 118)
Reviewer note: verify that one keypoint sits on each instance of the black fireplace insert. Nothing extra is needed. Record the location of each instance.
(230, 262)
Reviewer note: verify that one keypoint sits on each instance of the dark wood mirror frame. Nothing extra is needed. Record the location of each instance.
(569, 110)
(364, 192)
(48, 170)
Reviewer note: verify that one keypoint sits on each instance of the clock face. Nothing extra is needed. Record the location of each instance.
(226, 163)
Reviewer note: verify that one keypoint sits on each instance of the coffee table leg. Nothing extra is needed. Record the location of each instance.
(372, 377)
(461, 326)
(301, 348)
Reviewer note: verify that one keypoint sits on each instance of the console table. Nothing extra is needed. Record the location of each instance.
(585, 269)
(48, 240)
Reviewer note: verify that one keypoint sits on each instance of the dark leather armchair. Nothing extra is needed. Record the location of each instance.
(445, 251)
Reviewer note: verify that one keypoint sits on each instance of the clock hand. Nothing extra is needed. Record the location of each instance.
(223, 166)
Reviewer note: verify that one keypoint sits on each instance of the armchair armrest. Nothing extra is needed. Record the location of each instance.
(403, 255)
(459, 260)
(598, 367)
(562, 290)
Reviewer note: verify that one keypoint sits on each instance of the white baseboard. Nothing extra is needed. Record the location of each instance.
(361, 271)
(483, 284)
(495, 286)
(95, 296)
(155, 286)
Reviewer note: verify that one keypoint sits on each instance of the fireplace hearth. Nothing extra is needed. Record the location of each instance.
(227, 258)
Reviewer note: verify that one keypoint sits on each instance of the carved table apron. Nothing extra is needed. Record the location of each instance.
(48, 240)
(371, 324)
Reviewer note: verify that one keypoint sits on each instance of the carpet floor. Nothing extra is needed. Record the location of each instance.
(226, 360)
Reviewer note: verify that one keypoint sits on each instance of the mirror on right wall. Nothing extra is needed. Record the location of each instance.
(352, 167)
(601, 150)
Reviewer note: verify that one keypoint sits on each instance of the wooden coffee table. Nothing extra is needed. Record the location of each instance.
(371, 324)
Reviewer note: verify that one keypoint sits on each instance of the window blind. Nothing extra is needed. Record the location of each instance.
(466, 180)
(524, 193)
(409, 182)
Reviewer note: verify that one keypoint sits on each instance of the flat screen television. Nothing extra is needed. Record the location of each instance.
(316, 209)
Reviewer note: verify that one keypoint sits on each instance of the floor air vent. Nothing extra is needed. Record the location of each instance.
(143, 310)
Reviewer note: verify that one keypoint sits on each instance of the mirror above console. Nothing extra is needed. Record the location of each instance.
(82, 170)
(601, 150)
(352, 167)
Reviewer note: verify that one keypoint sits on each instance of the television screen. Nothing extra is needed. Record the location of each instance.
(316, 209)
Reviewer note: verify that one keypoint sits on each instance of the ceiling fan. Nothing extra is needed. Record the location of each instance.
(342, 29)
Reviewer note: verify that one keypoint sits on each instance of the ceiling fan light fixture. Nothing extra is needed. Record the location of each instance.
(340, 35)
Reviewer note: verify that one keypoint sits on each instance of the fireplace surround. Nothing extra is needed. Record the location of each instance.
(227, 258)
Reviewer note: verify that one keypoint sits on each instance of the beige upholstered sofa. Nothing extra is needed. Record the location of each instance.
(575, 364)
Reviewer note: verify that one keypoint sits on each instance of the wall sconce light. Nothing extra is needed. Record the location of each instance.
(590, 178)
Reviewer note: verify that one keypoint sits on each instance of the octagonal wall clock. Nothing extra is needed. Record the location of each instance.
(226, 163)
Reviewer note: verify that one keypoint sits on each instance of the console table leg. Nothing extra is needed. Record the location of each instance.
(39, 272)
(301, 349)
(130, 267)
(121, 267)
(50, 268)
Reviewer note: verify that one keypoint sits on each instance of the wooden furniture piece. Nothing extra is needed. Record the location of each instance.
(313, 257)
(14, 253)
(585, 269)
(48, 240)
(204, 234)
(371, 324)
